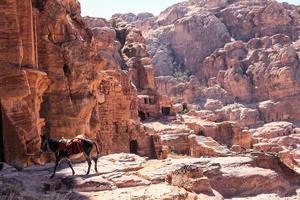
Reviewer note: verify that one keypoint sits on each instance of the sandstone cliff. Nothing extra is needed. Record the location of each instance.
(60, 78)
(224, 43)
(22, 82)
(236, 63)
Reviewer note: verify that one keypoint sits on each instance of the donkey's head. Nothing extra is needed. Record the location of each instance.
(44, 143)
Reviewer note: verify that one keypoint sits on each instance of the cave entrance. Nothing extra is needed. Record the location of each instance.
(2, 155)
(142, 115)
(133, 146)
(166, 111)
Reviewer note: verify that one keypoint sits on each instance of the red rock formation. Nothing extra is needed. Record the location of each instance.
(191, 178)
(136, 60)
(89, 94)
(140, 68)
(243, 77)
(183, 36)
(48, 53)
(22, 84)
(246, 20)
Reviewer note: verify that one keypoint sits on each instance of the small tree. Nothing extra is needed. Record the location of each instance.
(181, 73)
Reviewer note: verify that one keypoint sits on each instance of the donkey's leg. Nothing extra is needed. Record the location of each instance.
(70, 165)
(95, 160)
(56, 164)
(88, 159)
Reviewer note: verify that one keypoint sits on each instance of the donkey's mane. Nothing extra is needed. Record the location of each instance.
(53, 144)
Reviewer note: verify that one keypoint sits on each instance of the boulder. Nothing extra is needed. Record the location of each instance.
(191, 178)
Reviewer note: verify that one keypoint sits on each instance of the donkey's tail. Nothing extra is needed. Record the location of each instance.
(96, 158)
(97, 149)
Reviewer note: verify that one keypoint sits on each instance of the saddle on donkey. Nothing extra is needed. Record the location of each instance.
(63, 149)
(71, 147)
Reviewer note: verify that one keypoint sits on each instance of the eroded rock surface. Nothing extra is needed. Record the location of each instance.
(225, 44)
(129, 176)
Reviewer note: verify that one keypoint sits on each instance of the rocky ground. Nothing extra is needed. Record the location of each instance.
(128, 176)
(195, 167)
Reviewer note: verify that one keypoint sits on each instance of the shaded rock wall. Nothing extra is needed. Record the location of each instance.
(22, 84)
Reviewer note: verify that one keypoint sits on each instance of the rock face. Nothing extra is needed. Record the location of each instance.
(177, 38)
(183, 37)
(140, 69)
(282, 138)
(22, 83)
(63, 79)
(135, 59)
(85, 96)
(224, 43)
(243, 77)
(246, 20)
(236, 63)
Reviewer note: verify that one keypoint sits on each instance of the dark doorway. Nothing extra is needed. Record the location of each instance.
(166, 111)
(133, 146)
(66, 69)
(153, 154)
(2, 155)
(184, 107)
(142, 115)
(145, 100)
(201, 132)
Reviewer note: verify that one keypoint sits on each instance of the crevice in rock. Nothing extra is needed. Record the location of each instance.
(39, 4)
(121, 37)
(66, 69)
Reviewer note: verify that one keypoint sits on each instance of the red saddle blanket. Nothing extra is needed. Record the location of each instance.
(72, 147)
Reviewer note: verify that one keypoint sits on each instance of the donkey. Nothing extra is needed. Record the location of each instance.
(64, 149)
